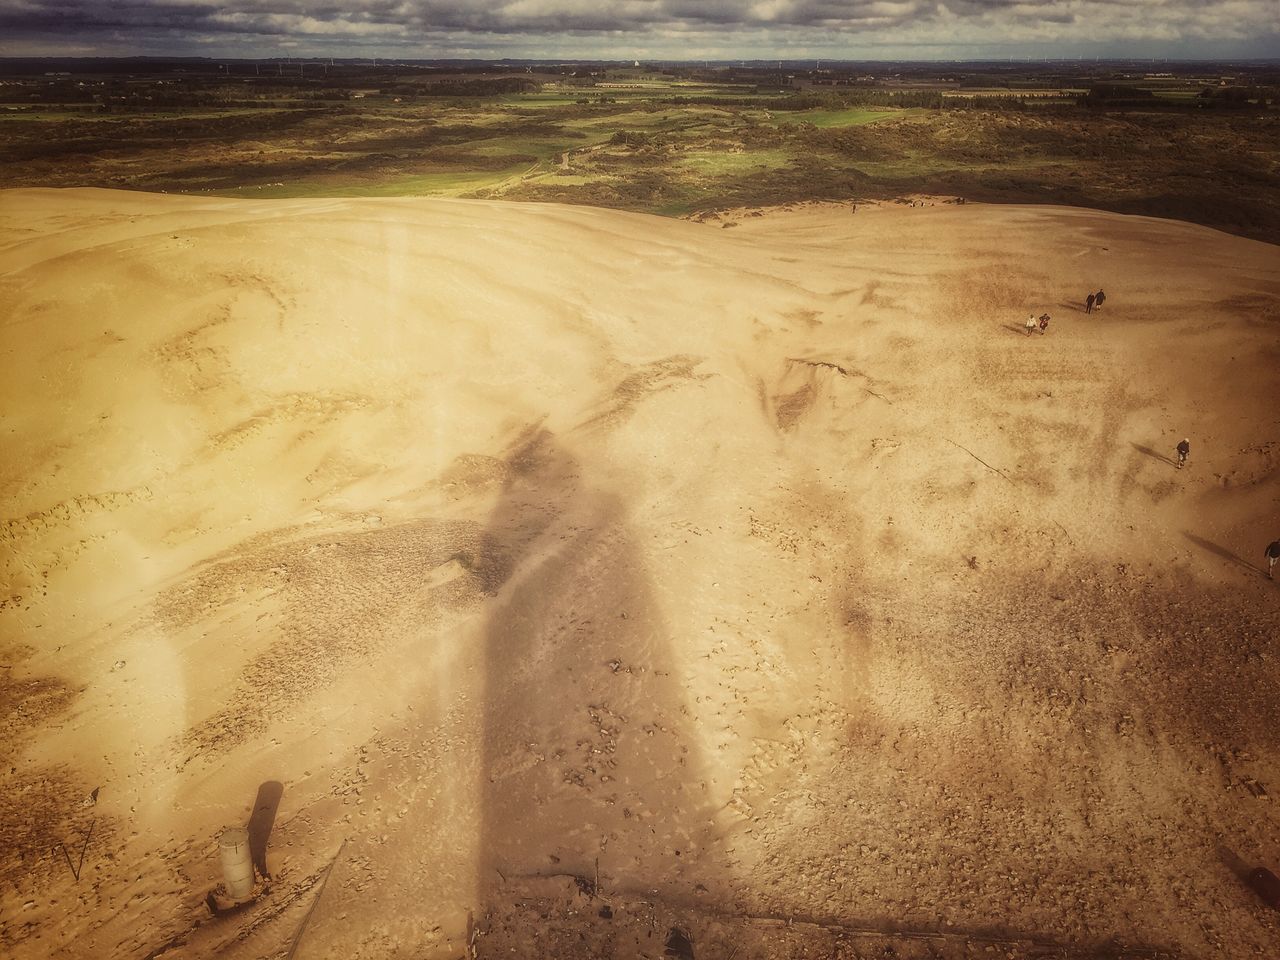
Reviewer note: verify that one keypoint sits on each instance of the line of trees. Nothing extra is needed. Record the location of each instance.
(478, 87)
(861, 98)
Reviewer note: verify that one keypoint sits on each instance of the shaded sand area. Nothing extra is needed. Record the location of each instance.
(536, 581)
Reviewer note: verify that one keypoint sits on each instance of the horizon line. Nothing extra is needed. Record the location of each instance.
(694, 61)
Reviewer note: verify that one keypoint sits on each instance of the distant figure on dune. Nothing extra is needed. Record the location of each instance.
(1031, 324)
(1044, 323)
(1097, 301)
(1183, 449)
(1088, 302)
(1272, 553)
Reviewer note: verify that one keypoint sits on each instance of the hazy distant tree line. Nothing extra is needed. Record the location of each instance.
(125, 96)
(477, 87)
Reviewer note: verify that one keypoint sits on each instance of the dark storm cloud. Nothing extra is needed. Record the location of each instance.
(515, 16)
(82, 15)
(736, 27)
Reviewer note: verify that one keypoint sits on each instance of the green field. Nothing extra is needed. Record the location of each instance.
(670, 147)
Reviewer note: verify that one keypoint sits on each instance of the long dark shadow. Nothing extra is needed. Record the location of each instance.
(1261, 881)
(1232, 861)
(591, 772)
(1014, 328)
(1222, 552)
(1153, 454)
(261, 822)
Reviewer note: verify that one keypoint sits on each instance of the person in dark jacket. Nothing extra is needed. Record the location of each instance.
(1044, 323)
(1272, 553)
(1088, 302)
(1184, 448)
(1097, 301)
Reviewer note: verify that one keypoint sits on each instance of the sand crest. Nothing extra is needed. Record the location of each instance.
(770, 572)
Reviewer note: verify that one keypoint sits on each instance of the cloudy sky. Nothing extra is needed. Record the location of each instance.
(671, 29)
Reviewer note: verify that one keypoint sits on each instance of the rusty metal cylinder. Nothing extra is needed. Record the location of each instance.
(237, 863)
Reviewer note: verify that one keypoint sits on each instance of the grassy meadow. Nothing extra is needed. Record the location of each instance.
(673, 147)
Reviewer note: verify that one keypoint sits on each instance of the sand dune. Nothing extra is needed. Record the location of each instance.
(765, 572)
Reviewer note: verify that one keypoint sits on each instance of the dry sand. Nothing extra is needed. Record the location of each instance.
(758, 574)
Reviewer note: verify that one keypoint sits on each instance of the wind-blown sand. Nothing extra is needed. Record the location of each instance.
(766, 572)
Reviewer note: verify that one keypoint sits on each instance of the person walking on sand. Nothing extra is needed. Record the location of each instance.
(1044, 323)
(1272, 553)
(1183, 449)
(1097, 301)
(1031, 324)
(1088, 302)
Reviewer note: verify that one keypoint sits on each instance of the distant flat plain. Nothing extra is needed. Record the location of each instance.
(660, 145)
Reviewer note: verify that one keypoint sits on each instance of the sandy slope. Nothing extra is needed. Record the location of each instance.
(768, 571)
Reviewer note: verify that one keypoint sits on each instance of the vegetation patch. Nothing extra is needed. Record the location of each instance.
(669, 142)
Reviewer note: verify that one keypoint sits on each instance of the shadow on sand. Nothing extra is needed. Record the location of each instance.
(261, 822)
(1264, 884)
(1222, 552)
(1153, 454)
(1233, 863)
(592, 768)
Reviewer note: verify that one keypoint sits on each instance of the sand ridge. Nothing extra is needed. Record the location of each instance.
(769, 571)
